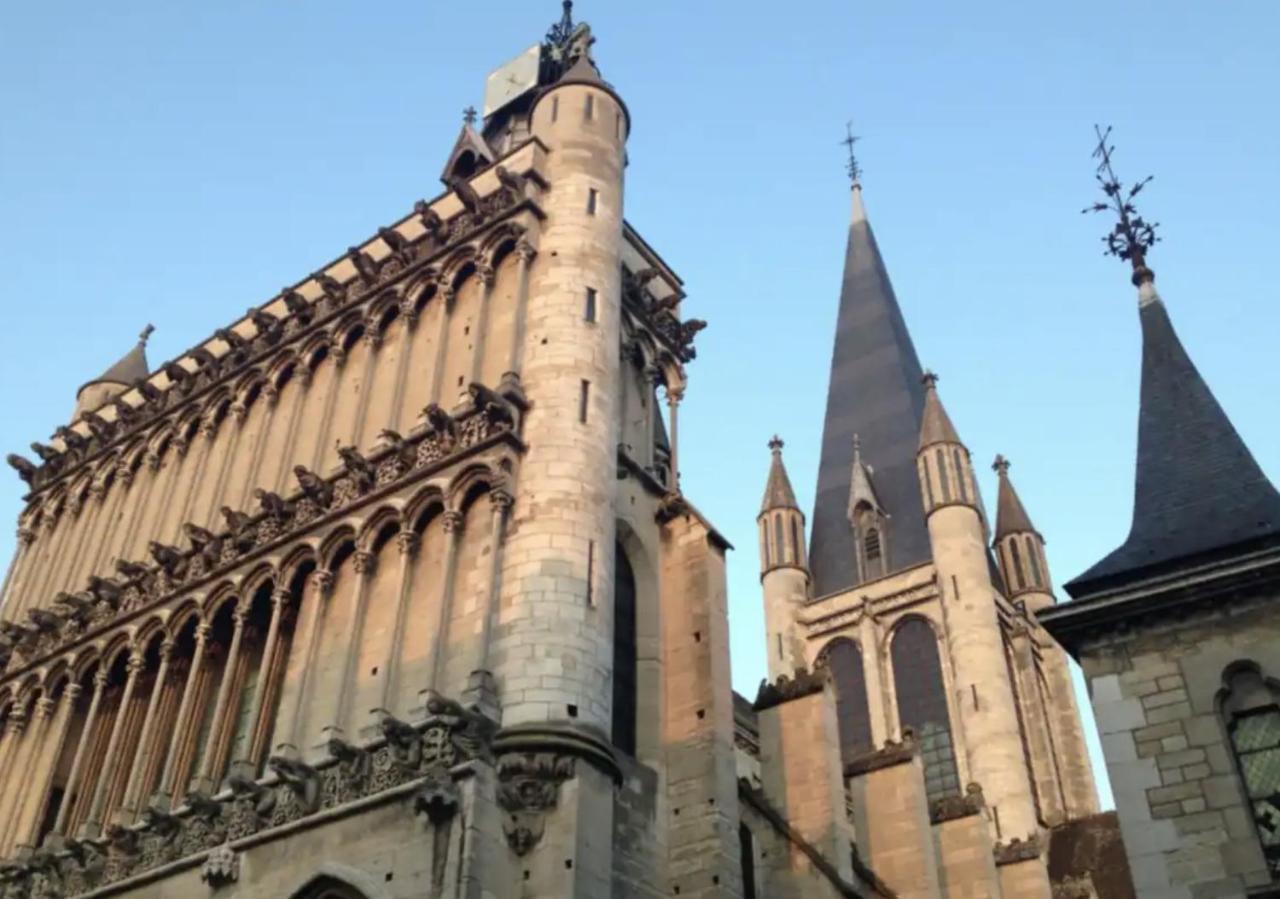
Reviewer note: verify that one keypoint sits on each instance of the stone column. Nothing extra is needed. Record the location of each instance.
(409, 317)
(77, 763)
(444, 606)
(303, 374)
(485, 274)
(339, 356)
(28, 829)
(251, 755)
(649, 455)
(207, 781)
(209, 431)
(407, 542)
(129, 806)
(124, 480)
(525, 252)
(13, 730)
(446, 297)
(373, 340)
(23, 758)
(481, 690)
(320, 582)
(363, 562)
(674, 395)
(869, 636)
(110, 760)
(164, 798)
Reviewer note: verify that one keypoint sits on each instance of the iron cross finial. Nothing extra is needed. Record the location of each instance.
(469, 115)
(852, 167)
(146, 333)
(1000, 466)
(1132, 235)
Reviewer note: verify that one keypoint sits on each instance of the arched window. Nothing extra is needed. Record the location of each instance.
(844, 659)
(872, 554)
(624, 652)
(1033, 558)
(960, 478)
(1018, 577)
(944, 483)
(1251, 709)
(747, 859)
(796, 550)
(778, 537)
(328, 888)
(922, 704)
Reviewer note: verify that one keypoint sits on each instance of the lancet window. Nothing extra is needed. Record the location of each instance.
(624, 653)
(1251, 712)
(922, 704)
(843, 658)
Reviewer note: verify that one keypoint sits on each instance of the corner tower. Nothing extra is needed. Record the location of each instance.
(874, 393)
(784, 571)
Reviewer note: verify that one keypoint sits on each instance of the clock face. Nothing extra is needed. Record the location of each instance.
(512, 80)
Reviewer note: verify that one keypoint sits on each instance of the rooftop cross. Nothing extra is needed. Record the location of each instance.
(469, 115)
(1132, 236)
(852, 167)
(558, 34)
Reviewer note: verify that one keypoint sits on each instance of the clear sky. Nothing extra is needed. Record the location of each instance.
(177, 162)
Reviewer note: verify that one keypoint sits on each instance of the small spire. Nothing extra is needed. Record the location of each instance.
(861, 486)
(777, 491)
(935, 424)
(1011, 516)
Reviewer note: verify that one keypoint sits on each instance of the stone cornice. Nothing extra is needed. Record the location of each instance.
(786, 689)
(492, 421)
(885, 757)
(300, 319)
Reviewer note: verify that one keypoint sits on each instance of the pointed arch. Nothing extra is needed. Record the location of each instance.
(336, 544)
(386, 517)
(843, 658)
(921, 695)
(468, 484)
(459, 266)
(337, 881)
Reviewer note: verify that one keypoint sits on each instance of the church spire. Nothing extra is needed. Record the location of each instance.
(1197, 487)
(875, 392)
(130, 367)
(1011, 516)
(777, 490)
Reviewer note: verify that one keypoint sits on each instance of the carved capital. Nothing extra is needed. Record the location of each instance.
(240, 411)
(408, 542)
(152, 458)
(321, 582)
(166, 649)
(372, 337)
(338, 353)
(364, 561)
(208, 427)
(124, 474)
(500, 500)
(26, 536)
(452, 522)
(181, 444)
(98, 490)
(525, 251)
(44, 708)
(137, 661)
(484, 274)
(203, 631)
(280, 597)
(675, 394)
(409, 311)
(71, 692)
(100, 679)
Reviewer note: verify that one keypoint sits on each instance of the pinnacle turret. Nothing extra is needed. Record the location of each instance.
(935, 425)
(777, 490)
(1011, 516)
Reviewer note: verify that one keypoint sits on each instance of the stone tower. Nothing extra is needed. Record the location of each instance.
(784, 572)
(960, 741)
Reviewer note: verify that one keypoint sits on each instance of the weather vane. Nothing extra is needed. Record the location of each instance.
(854, 170)
(1132, 236)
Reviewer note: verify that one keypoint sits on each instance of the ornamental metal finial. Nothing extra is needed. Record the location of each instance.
(852, 167)
(1132, 236)
(469, 115)
(776, 444)
(146, 333)
(558, 34)
(1000, 466)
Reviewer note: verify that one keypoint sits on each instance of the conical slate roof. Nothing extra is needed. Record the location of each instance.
(777, 490)
(1197, 488)
(875, 392)
(129, 367)
(935, 426)
(1011, 517)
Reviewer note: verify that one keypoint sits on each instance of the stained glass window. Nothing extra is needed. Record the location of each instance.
(922, 704)
(844, 659)
(624, 653)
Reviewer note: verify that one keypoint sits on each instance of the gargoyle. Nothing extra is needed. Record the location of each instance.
(511, 180)
(206, 543)
(160, 822)
(99, 426)
(75, 606)
(403, 738)
(72, 439)
(45, 622)
(241, 528)
(313, 486)
(202, 806)
(299, 777)
(25, 468)
(17, 634)
(231, 338)
(666, 304)
(168, 558)
(205, 359)
(466, 193)
(150, 392)
(271, 503)
(132, 570)
(366, 268)
(106, 590)
(263, 798)
(85, 854)
(645, 275)
(356, 760)
(441, 423)
(126, 414)
(358, 467)
(393, 239)
(430, 219)
(296, 303)
(46, 453)
(122, 840)
(492, 406)
(175, 372)
(267, 324)
(332, 288)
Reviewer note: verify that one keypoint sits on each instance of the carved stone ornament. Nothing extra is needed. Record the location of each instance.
(785, 689)
(437, 797)
(1017, 850)
(221, 867)
(529, 788)
(949, 808)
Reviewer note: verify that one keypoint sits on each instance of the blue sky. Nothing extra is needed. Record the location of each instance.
(175, 163)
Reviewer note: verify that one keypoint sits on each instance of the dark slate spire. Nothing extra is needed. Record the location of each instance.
(1011, 517)
(129, 367)
(777, 490)
(876, 393)
(1197, 488)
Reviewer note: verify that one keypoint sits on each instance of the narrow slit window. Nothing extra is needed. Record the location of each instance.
(555, 108)
(1033, 559)
(592, 196)
(960, 478)
(1018, 576)
(617, 124)
(584, 396)
(590, 110)
(943, 481)
(589, 312)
